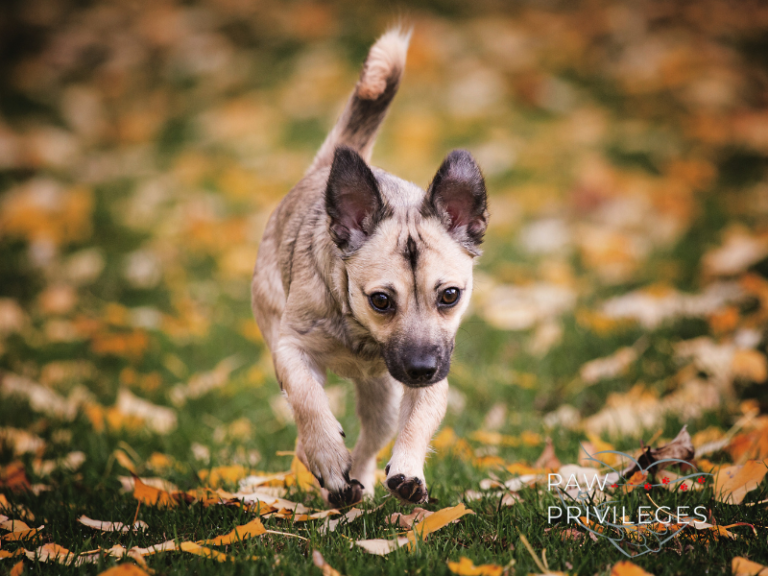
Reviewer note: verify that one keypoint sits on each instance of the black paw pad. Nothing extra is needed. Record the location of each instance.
(350, 494)
(395, 481)
(410, 490)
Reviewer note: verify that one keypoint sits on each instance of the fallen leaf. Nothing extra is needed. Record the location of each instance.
(743, 567)
(156, 497)
(406, 520)
(627, 568)
(330, 525)
(105, 526)
(749, 365)
(548, 460)
(251, 530)
(20, 441)
(381, 546)
(14, 477)
(436, 521)
(465, 567)
(652, 459)
(17, 569)
(159, 419)
(611, 366)
(193, 548)
(319, 561)
(733, 482)
(126, 569)
(14, 525)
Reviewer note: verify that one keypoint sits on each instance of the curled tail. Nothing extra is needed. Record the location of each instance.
(365, 110)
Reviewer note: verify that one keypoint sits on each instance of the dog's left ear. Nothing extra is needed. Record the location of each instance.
(457, 196)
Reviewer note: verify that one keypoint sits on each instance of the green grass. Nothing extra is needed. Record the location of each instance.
(204, 214)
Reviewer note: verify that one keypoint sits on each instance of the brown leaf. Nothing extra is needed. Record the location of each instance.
(14, 477)
(681, 448)
(17, 569)
(406, 520)
(548, 460)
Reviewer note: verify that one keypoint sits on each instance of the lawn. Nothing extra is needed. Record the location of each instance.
(622, 294)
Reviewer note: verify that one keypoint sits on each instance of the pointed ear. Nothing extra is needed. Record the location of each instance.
(352, 200)
(457, 197)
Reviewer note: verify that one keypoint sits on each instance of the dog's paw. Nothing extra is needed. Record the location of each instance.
(352, 493)
(411, 490)
(328, 459)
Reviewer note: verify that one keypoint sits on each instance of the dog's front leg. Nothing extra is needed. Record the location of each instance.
(321, 441)
(421, 411)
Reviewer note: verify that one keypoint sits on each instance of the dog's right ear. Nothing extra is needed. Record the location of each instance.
(457, 197)
(352, 200)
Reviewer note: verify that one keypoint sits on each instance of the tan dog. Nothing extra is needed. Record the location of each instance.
(364, 274)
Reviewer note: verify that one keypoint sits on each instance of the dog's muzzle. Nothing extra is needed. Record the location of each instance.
(418, 366)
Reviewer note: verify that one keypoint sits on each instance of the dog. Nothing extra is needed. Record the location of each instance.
(367, 275)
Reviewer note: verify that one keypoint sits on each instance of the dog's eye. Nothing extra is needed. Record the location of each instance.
(380, 301)
(450, 296)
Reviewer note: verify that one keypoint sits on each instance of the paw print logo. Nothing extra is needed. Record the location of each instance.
(683, 487)
(665, 480)
(701, 480)
(647, 486)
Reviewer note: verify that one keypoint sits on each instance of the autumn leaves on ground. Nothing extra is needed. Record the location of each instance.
(621, 303)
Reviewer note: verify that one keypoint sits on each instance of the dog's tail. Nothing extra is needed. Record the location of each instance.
(366, 108)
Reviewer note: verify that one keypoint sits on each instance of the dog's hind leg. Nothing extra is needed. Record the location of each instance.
(378, 403)
(421, 412)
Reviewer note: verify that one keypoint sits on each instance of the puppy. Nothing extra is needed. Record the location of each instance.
(367, 275)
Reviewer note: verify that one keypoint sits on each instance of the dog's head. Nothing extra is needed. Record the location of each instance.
(409, 257)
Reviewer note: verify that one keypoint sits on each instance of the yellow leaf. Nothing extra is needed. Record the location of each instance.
(126, 569)
(193, 548)
(222, 474)
(734, 482)
(17, 569)
(627, 568)
(743, 567)
(465, 567)
(436, 521)
(251, 530)
(301, 476)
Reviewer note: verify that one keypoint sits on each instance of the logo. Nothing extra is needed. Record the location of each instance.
(584, 502)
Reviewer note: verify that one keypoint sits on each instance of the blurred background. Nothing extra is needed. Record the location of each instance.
(143, 145)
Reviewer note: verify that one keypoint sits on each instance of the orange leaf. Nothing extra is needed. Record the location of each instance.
(743, 567)
(627, 568)
(126, 569)
(465, 567)
(154, 496)
(733, 482)
(17, 569)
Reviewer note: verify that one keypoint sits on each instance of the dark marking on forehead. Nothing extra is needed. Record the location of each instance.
(411, 253)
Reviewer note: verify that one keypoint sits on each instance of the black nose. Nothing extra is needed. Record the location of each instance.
(422, 368)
